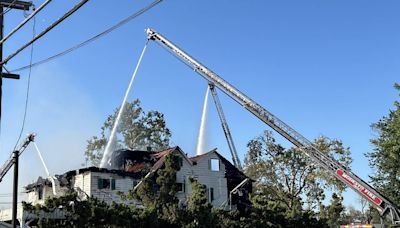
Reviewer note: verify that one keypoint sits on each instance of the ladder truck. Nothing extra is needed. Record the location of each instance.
(225, 128)
(10, 162)
(384, 205)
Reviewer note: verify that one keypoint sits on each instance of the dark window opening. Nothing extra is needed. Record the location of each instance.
(40, 193)
(104, 183)
(180, 187)
(211, 194)
(112, 184)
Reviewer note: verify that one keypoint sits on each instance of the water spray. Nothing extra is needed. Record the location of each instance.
(41, 158)
(201, 141)
(107, 151)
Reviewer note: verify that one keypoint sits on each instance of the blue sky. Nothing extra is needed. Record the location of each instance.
(323, 67)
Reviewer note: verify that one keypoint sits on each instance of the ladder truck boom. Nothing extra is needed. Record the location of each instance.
(380, 202)
(225, 128)
(10, 162)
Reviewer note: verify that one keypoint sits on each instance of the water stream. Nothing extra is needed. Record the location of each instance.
(41, 159)
(105, 161)
(201, 140)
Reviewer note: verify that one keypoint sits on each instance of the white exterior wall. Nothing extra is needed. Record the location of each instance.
(86, 184)
(122, 184)
(204, 175)
(33, 196)
(82, 182)
(212, 179)
(182, 176)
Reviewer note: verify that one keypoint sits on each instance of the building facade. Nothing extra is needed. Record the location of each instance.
(227, 187)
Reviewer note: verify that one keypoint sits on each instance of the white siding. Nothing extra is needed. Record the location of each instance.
(122, 184)
(182, 177)
(33, 196)
(87, 183)
(212, 179)
(204, 175)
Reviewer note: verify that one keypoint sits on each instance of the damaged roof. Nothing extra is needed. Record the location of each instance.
(136, 164)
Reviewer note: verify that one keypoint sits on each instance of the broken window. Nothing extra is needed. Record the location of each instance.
(112, 184)
(180, 187)
(40, 193)
(214, 164)
(104, 183)
(134, 183)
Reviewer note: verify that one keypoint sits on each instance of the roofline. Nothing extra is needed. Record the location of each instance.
(183, 154)
(224, 159)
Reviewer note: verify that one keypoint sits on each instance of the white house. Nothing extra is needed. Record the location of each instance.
(222, 179)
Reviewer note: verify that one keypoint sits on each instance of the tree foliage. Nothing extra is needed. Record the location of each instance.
(158, 194)
(289, 177)
(198, 208)
(162, 208)
(137, 129)
(385, 157)
(333, 213)
(83, 213)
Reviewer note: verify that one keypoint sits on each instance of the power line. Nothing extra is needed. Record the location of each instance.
(28, 87)
(62, 18)
(93, 38)
(8, 8)
(25, 21)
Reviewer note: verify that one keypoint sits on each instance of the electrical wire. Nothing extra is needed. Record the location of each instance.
(8, 8)
(28, 87)
(28, 17)
(93, 38)
(48, 29)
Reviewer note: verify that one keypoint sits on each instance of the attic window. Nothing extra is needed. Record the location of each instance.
(214, 164)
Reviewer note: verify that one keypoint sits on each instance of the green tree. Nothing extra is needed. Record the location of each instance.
(385, 158)
(83, 213)
(137, 130)
(289, 177)
(198, 207)
(333, 213)
(158, 194)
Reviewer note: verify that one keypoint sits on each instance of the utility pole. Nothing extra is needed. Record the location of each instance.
(20, 5)
(15, 190)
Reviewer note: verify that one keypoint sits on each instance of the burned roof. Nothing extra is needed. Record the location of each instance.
(201, 156)
(136, 164)
(46, 182)
(101, 170)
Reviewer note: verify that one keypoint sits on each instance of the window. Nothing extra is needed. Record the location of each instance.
(112, 184)
(40, 192)
(214, 164)
(211, 194)
(106, 183)
(180, 187)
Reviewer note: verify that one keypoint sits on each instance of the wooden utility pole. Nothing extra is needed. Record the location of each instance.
(20, 5)
(13, 4)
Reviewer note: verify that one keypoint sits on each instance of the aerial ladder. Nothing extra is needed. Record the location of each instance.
(225, 128)
(10, 162)
(384, 205)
